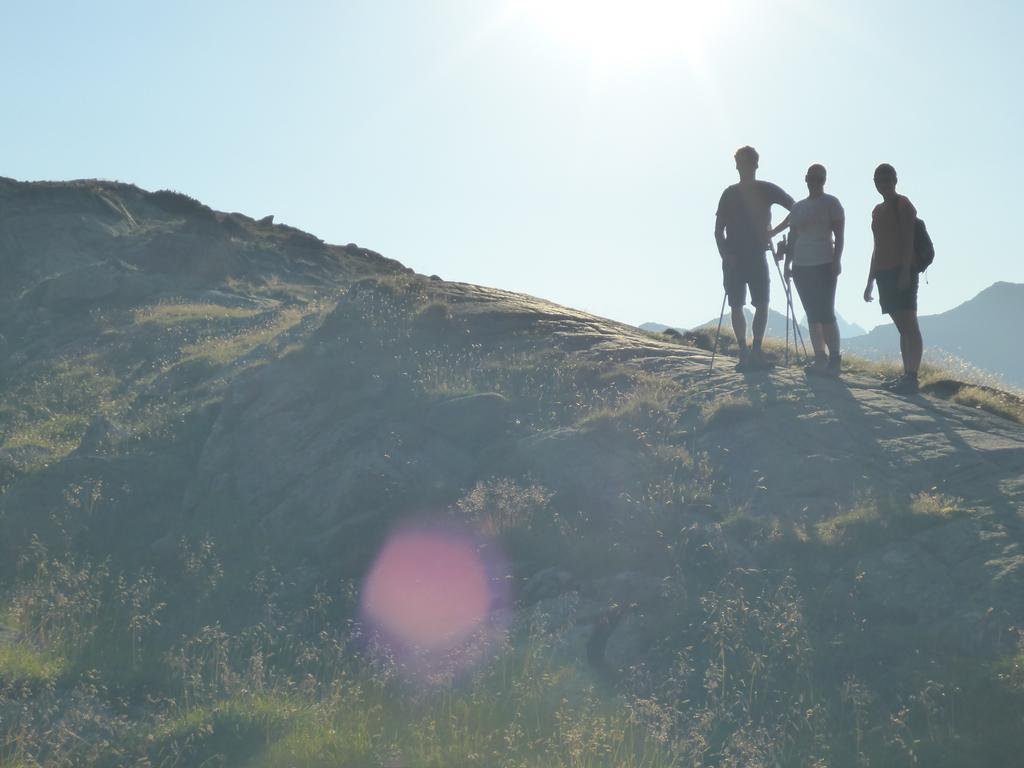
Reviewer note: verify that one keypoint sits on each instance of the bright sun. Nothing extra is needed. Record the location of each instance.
(626, 32)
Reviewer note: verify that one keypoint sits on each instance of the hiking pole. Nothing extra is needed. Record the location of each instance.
(788, 315)
(776, 256)
(796, 326)
(789, 303)
(788, 285)
(714, 349)
(797, 333)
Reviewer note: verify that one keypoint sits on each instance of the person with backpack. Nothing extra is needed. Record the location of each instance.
(813, 257)
(893, 225)
(742, 224)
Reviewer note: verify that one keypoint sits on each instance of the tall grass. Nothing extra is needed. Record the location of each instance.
(742, 677)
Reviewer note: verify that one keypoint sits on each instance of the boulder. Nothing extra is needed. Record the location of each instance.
(470, 421)
(85, 287)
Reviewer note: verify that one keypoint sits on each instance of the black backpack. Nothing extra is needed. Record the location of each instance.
(924, 250)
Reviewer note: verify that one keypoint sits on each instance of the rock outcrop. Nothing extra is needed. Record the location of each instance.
(356, 445)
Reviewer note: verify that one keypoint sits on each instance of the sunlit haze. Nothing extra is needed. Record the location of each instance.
(612, 34)
(570, 150)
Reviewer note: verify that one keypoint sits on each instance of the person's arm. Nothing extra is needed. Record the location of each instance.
(871, 269)
(780, 197)
(782, 226)
(838, 228)
(869, 288)
(720, 240)
(720, 235)
(794, 235)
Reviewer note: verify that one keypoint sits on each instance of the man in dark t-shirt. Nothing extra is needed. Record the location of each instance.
(742, 224)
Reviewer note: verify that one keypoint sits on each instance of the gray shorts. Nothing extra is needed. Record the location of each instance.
(752, 271)
(817, 288)
(891, 297)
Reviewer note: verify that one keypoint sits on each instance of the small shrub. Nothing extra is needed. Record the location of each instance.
(677, 480)
(869, 522)
(846, 526)
(58, 603)
(702, 339)
(944, 366)
(499, 506)
(875, 369)
(936, 505)
(22, 663)
(437, 312)
(999, 403)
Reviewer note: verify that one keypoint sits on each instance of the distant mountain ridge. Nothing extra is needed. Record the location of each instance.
(978, 332)
(846, 330)
(776, 325)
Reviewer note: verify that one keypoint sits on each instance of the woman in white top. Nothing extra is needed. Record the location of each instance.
(814, 258)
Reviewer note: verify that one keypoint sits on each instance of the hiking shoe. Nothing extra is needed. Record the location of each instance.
(756, 361)
(817, 368)
(834, 367)
(743, 363)
(907, 385)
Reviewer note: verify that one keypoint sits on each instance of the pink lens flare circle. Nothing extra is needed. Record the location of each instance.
(428, 589)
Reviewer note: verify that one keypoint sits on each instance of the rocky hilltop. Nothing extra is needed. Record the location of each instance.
(224, 404)
(143, 285)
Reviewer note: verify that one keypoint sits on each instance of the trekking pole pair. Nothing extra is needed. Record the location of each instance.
(790, 311)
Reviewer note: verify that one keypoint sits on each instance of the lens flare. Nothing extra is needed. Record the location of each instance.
(429, 590)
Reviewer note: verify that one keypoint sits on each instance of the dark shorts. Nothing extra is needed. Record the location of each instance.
(890, 296)
(817, 288)
(752, 271)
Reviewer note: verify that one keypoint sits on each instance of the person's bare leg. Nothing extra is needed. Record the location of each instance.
(917, 346)
(818, 340)
(759, 325)
(911, 342)
(739, 327)
(831, 334)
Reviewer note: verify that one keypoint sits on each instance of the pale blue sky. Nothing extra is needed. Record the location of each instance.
(491, 146)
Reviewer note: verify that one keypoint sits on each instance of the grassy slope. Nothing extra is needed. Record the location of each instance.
(190, 661)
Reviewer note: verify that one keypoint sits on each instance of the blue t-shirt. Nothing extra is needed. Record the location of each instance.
(747, 213)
